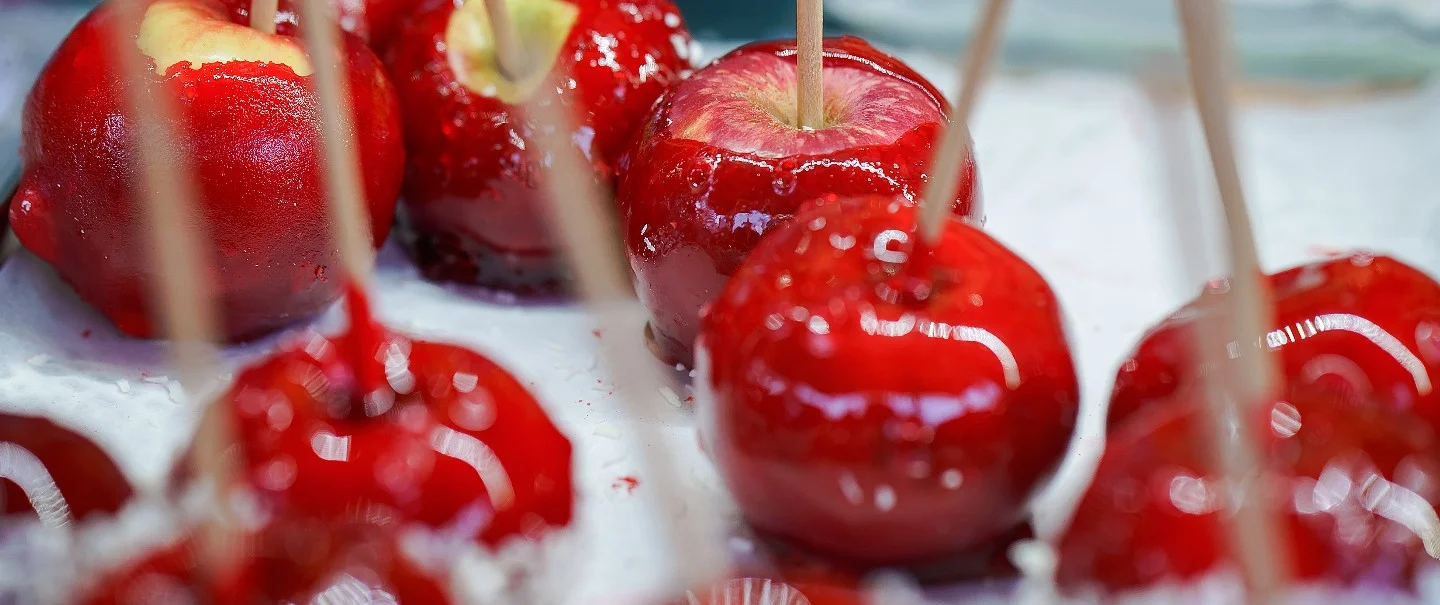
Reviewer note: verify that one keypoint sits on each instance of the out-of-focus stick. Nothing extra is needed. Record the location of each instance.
(945, 167)
(509, 48)
(1254, 535)
(262, 15)
(183, 292)
(810, 59)
(580, 215)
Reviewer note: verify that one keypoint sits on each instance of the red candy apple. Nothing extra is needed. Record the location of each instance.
(457, 444)
(880, 401)
(375, 21)
(51, 472)
(472, 211)
(279, 564)
(721, 161)
(246, 119)
(1337, 469)
(1367, 326)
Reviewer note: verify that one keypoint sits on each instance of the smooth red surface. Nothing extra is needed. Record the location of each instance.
(473, 211)
(313, 449)
(375, 21)
(861, 407)
(693, 210)
(249, 132)
(1139, 524)
(333, 563)
(1365, 326)
(89, 482)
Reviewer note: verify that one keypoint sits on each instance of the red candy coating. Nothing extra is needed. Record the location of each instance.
(1150, 515)
(472, 210)
(38, 457)
(249, 132)
(720, 163)
(879, 401)
(375, 21)
(1365, 326)
(462, 441)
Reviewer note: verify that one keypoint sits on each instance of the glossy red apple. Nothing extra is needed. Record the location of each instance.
(472, 211)
(879, 401)
(1363, 325)
(457, 443)
(247, 120)
(1336, 468)
(721, 162)
(280, 564)
(55, 474)
(375, 21)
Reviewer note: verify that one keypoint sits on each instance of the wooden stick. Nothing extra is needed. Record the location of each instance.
(509, 48)
(1253, 532)
(810, 60)
(184, 288)
(342, 164)
(945, 167)
(262, 15)
(581, 215)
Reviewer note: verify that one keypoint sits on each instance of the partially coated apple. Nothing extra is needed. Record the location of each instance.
(721, 161)
(247, 126)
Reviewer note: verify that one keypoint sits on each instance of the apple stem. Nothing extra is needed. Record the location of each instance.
(1208, 45)
(948, 163)
(810, 60)
(188, 317)
(345, 193)
(262, 15)
(581, 218)
(509, 50)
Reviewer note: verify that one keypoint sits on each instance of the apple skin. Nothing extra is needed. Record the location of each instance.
(89, 482)
(692, 209)
(249, 132)
(883, 412)
(269, 571)
(307, 453)
(1402, 304)
(472, 211)
(375, 21)
(1134, 530)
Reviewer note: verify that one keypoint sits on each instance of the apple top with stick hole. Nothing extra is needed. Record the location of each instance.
(723, 159)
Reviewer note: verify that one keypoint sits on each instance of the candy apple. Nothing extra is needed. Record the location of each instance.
(1363, 325)
(247, 126)
(877, 400)
(472, 211)
(721, 161)
(457, 443)
(1341, 472)
(375, 21)
(55, 474)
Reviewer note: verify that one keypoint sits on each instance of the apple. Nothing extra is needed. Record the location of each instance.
(247, 123)
(720, 162)
(457, 444)
(1363, 325)
(55, 474)
(472, 211)
(1332, 465)
(375, 21)
(878, 401)
(333, 565)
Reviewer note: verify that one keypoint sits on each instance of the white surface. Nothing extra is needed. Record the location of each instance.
(1070, 171)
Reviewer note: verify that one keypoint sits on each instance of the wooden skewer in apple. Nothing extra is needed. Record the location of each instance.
(945, 167)
(581, 216)
(510, 53)
(1205, 25)
(810, 61)
(190, 320)
(262, 15)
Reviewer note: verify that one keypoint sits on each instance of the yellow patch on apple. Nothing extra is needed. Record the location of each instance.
(542, 25)
(177, 31)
